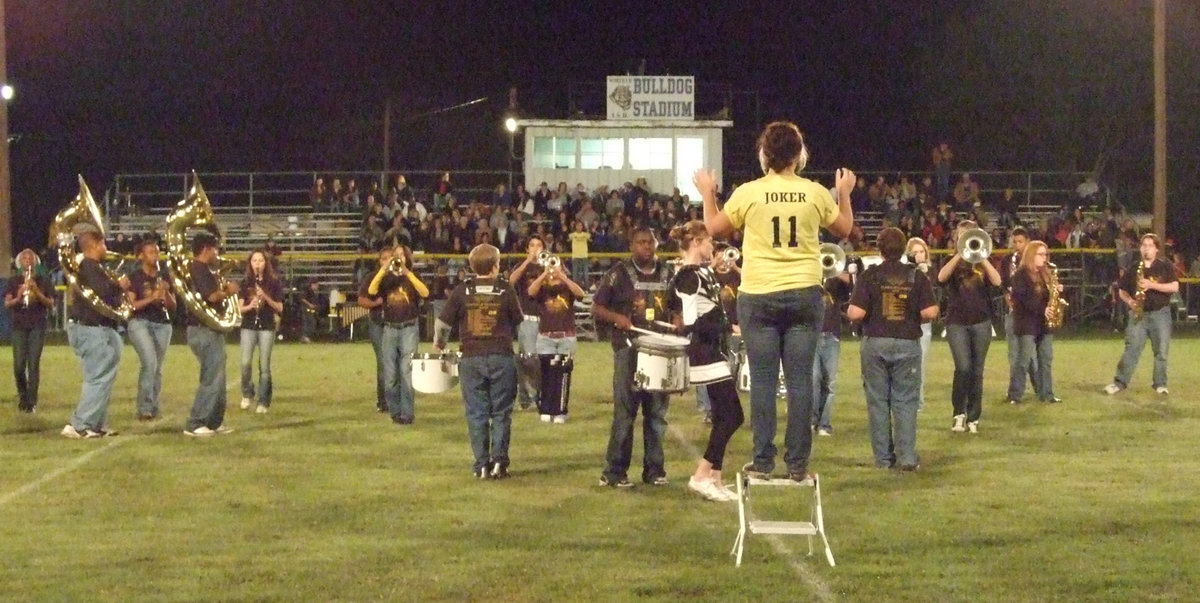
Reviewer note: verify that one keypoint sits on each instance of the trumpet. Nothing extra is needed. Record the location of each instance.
(396, 266)
(975, 245)
(548, 260)
(731, 255)
(833, 260)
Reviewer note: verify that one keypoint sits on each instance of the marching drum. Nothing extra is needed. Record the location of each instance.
(744, 375)
(662, 364)
(434, 373)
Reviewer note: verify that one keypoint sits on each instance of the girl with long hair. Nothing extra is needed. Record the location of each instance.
(259, 301)
(1031, 299)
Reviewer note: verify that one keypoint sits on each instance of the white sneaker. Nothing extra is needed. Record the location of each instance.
(1161, 390)
(824, 432)
(222, 429)
(973, 427)
(262, 410)
(70, 432)
(246, 402)
(960, 422)
(545, 418)
(200, 432)
(730, 494)
(1112, 388)
(560, 419)
(708, 489)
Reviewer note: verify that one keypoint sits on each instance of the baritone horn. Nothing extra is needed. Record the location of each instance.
(195, 212)
(833, 260)
(84, 215)
(975, 245)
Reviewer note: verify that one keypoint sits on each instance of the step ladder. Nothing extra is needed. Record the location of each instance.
(814, 527)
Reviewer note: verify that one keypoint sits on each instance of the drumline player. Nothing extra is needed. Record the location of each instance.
(892, 300)
(708, 328)
(729, 278)
(528, 364)
(374, 306)
(486, 310)
(402, 292)
(634, 293)
(150, 326)
(780, 303)
(555, 294)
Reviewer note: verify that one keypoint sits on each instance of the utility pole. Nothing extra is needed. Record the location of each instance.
(1160, 118)
(6, 235)
(387, 146)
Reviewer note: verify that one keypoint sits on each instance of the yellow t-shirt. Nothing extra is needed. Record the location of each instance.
(579, 244)
(780, 216)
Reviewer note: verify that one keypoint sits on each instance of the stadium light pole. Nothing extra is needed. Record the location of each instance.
(1160, 118)
(510, 124)
(6, 240)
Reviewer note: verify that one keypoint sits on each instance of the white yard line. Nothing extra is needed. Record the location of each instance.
(71, 466)
(812, 579)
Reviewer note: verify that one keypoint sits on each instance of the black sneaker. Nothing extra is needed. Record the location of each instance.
(660, 480)
(482, 473)
(1053, 400)
(622, 482)
(753, 472)
(499, 472)
(402, 420)
(801, 477)
(908, 468)
(381, 407)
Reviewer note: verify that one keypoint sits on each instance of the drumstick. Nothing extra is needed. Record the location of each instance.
(644, 331)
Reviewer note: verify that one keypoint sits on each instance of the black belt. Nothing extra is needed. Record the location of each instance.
(401, 325)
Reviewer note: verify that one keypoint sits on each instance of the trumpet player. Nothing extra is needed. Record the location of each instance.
(968, 322)
(1031, 310)
(555, 294)
(1146, 288)
(93, 337)
(259, 302)
(402, 292)
(374, 305)
(27, 299)
(207, 344)
(528, 365)
(150, 326)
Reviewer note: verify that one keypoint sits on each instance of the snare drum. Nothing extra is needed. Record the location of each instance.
(434, 373)
(662, 364)
(744, 374)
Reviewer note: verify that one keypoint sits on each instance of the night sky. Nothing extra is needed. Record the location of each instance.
(107, 86)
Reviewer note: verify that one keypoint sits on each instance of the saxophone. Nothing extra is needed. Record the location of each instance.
(1057, 305)
(1138, 308)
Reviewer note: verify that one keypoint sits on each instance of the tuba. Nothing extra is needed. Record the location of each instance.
(83, 212)
(1056, 305)
(975, 245)
(195, 211)
(833, 260)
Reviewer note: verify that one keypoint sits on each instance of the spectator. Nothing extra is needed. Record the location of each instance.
(966, 193)
(443, 193)
(942, 159)
(316, 197)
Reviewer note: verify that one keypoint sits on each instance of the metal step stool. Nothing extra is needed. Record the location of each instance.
(814, 527)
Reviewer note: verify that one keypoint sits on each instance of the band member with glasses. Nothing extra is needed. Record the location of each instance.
(150, 328)
(94, 339)
(1031, 308)
(260, 302)
(486, 311)
(1147, 289)
(892, 300)
(555, 294)
(402, 292)
(780, 302)
(28, 296)
(208, 344)
(374, 306)
(968, 330)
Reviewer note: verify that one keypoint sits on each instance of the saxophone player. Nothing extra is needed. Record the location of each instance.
(1031, 313)
(28, 299)
(150, 326)
(1147, 290)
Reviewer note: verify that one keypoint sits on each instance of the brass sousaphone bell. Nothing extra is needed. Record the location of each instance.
(81, 215)
(194, 212)
(833, 260)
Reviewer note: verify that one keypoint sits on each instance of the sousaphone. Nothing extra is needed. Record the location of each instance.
(194, 212)
(83, 215)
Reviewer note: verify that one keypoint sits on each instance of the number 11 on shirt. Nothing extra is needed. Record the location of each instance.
(792, 241)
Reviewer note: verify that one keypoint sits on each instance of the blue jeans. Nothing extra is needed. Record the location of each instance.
(99, 353)
(264, 340)
(27, 347)
(208, 408)
(926, 337)
(150, 340)
(579, 271)
(489, 387)
(1156, 326)
(969, 346)
(1041, 348)
(891, 370)
(375, 329)
(781, 326)
(825, 370)
(548, 346)
(529, 380)
(1016, 376)
(626, 401)
(398, 345)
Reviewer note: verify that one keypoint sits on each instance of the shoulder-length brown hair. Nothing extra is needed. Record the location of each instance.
(1038, 275)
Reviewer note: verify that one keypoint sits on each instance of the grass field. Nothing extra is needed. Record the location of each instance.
(323, 499)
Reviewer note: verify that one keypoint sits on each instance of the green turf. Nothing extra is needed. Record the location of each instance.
(324, 499)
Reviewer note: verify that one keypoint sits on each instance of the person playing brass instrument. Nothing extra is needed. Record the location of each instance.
(555, 294)
(27, 298)
(1149, 285)
(94, 338)
(529, 380)
(1031, 310)
(1018, 239)
(150, 326)
(402, 292)
(968, 327)
(374, 305)
(259, 303)
(207, 344)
